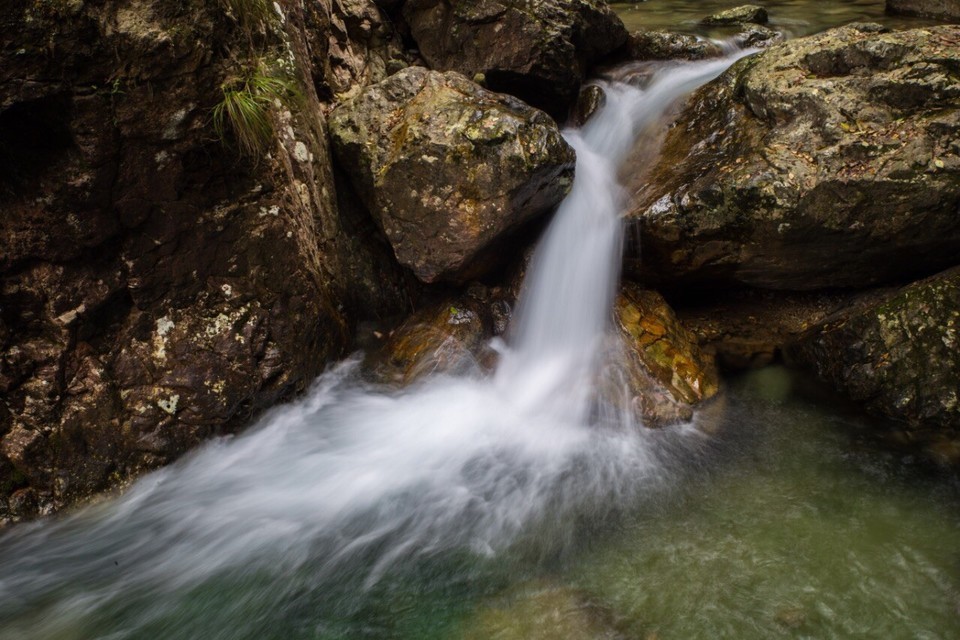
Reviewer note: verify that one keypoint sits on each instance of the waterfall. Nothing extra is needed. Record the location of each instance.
(351, 481)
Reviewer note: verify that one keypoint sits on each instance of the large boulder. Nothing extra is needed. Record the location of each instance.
(947, 9)
(829, 161)
(156, 288)
(448, 168)
(539, 51)
(897, 354)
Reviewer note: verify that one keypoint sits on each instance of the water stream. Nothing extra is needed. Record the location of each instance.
(364, 512)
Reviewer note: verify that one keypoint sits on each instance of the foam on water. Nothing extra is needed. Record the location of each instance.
(351, 480)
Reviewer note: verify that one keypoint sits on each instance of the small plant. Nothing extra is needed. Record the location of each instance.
(246, 107)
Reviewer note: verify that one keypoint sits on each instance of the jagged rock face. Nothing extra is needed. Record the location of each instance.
(539, 51)
(155, 289)
(899, 356)
(351, 44)
(829, 161)
(667, 372)
(448, 168)
(948, 9)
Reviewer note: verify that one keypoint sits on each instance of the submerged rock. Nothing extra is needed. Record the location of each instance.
(449, 169)
(543, 612)
(667, 373)
(947, 9)
(748, 13)
(898, 355)
(829, 161)
(538, 51)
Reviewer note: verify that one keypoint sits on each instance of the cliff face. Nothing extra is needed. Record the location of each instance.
(157, 286)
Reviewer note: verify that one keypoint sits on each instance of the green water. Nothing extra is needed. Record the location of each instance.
(785, 528)
(795, 17)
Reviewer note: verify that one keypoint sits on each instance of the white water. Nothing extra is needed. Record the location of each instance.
(351, 480)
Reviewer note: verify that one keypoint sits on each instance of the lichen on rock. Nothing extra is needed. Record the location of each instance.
(448, 169)
(898, 355)
(827, 161)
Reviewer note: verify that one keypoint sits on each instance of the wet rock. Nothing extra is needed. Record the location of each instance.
(749, 329)
(449, 169)
(664, 45)
(828, 161)
(946, 9)
(738, 15)
(591, 98)
(450, 337)
(898, 355)
(666, 370)
(538, 51)
(756, 36)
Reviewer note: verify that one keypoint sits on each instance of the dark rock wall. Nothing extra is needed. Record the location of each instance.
(157, 287)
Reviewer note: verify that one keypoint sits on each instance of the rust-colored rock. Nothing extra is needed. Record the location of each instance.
(668, 372)
(449, 337)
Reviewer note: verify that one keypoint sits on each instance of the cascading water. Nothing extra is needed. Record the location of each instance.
(333, 492)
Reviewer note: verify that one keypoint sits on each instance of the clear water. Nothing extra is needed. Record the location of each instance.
(782, 527)
(794, 17)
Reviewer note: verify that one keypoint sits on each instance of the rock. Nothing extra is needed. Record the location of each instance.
(749, 329)
(538, 51)
(449, 169)
(591, 98)
(155, 288)
(748, 13)
(664, 45)
(351, 45)
(898, 355)
(828, 161)
(666, 371)
(451, 337)
(543, 611)
(757, 37)
(946, 9)
(791, 617)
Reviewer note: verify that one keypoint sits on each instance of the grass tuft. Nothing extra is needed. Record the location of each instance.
(245, 109)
